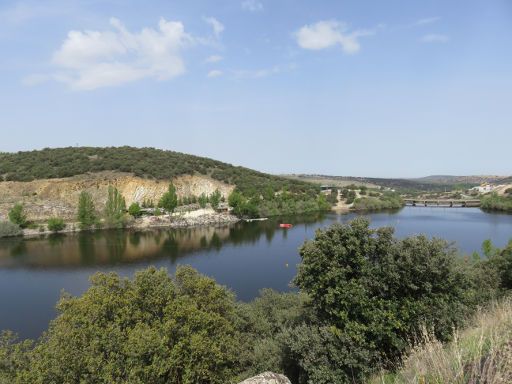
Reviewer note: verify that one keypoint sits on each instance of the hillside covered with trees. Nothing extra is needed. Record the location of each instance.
(256, 193)
(143, 162)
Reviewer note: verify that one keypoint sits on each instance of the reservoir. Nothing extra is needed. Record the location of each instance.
(245, 257)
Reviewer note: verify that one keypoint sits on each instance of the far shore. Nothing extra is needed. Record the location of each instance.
(196, 218)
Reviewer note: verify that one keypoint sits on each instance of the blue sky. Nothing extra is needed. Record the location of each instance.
(370, 88)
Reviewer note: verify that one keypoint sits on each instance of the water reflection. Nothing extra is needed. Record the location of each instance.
(114, 247)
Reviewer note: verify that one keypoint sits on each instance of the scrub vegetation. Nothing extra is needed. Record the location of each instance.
(494, 202)
(143, 162)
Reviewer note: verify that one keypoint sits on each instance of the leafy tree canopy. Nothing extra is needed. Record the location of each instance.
(152, 329)
(143, 162)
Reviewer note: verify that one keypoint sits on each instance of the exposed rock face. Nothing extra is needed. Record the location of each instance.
(59, 197)
(267, 378)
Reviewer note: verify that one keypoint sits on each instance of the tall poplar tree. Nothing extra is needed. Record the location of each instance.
(86, 210)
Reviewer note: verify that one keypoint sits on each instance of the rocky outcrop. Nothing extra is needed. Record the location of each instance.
(199, 218)
(267, 378)
(59, 197)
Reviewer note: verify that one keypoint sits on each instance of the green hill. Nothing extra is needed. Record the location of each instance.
(143, 162)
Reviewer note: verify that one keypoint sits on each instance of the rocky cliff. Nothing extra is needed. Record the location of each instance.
(59, 197)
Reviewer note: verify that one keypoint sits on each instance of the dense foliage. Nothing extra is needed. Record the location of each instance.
(17, 215)
(115, 208)
(143, 162)
(86, 211)
(8, 229)
(270, 204)
(56, 224)
(494, 202)
(373, 294)
(150, 330)
(134, 210)
(169, 200)
(387, 200)
(500, 261)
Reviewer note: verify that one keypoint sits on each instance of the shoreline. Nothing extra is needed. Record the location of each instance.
(174, 221)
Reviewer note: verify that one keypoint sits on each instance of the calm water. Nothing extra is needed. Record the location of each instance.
(245, 257)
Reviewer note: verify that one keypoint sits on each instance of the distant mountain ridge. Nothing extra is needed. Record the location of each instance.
(470, 179)
(429, 183)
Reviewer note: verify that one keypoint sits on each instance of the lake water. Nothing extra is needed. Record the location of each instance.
(245, 257)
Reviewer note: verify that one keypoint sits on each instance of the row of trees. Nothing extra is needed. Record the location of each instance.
(365, 298)
(274, 204)
(114, 212)
(115, 207)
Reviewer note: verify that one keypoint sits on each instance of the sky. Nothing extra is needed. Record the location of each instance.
(381, 88)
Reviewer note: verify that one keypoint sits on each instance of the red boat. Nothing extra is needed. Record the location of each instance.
(283, 225)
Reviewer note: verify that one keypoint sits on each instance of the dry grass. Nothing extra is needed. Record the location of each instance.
(480, 354)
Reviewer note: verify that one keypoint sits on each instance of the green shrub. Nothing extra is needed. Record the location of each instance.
(374, 293)
(86, 211)
(169, 201)
(56, 224)
(115, 208)
(8, 229)
(203, 200)
(152, 329)
(388, 200)
(493, 202)
(17, 216)
(134, 210)
(215, 199)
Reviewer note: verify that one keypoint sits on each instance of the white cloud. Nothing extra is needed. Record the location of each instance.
(94, 59)
(215, 73)
(426, 21)
(252, 5)
(216, 25)
(214, 59)
(435, 38)
(328, 33)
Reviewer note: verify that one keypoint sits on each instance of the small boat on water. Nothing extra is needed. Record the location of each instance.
(284, 225)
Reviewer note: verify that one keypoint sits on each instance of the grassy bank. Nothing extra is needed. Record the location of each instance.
(482, 353)
(497, 203)
(376, 203)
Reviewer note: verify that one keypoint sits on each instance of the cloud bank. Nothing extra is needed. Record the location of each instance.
(89, 60)
(329, 33)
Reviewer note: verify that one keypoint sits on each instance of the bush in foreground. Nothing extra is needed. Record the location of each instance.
(152, 329)
(373, 294)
